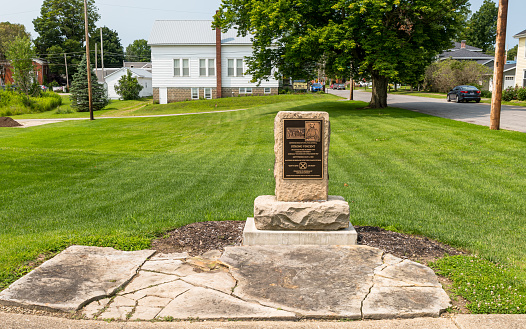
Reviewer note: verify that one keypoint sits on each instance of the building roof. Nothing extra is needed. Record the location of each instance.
(520, 34)
(139, 65)
(174, 32)
(136, 72)
(465, 54)
(508, 67)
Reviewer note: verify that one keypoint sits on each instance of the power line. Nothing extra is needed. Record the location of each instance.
(156, 9)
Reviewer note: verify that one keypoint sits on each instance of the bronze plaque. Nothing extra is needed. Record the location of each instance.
(302, 149)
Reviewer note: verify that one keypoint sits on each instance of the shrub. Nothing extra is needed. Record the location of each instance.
(446, 74)
(13, 103)
(509, 94)
(128, 87)
(521, 94)
(485, 93)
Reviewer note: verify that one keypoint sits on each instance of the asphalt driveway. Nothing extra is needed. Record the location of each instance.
(511, 117)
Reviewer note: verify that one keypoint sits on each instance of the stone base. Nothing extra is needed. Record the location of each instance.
(330, 215)
(254, 237)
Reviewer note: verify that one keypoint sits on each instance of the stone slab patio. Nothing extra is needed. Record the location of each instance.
(249, 282)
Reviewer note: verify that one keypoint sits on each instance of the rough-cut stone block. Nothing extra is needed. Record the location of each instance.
(330, 215)
(254, 237)
(300, 189)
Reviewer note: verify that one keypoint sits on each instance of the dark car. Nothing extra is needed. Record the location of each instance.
(338, 86)
(464, 94)
(316, 87)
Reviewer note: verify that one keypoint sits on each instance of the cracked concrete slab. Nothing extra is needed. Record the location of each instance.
(167, 266)
(147, 279)
(205, 303)
(404, 302)
(75, 277)
(314, 281)
(220, 280)
(165, 290)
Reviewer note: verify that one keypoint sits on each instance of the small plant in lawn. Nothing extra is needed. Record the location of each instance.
(489, 287)
(128, 87)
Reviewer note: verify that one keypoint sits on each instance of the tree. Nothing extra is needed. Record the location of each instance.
(128, 87)
(386, 39)
(138, 51)
(20, 55)
(8, 33)
(444, 75)
(512, 53)
(481, 29)
(61, 30)
(79, 90)
(113, 50)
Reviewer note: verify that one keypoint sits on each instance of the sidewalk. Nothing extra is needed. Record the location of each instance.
(20, 321)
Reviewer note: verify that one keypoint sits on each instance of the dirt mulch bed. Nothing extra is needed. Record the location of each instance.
(197, 238)
(8, 122)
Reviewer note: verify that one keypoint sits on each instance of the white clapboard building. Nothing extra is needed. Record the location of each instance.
(190, 60)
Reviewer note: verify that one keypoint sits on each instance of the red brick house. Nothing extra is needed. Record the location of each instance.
(41, 71)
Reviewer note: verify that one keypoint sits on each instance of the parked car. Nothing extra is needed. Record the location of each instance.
(338, 86)
(464, 94)
(316, 87)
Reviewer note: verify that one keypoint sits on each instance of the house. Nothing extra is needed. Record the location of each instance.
(41, 70)
(461, 51)
(520, 74)
(147, 66)
(143, 77)
(192, 61)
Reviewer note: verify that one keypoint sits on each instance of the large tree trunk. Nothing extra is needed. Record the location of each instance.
(379, 94)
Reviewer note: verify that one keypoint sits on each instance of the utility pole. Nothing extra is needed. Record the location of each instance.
(498, 71)
(88, 66)
(351, 87)
(96, 64)
(101, 54)
(67, 77)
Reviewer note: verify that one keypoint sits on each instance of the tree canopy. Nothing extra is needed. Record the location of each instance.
(8, 33)
(60, 29)
(481, 29)
(113, 50)
(20, 54)
(384, 39)
(138, 51)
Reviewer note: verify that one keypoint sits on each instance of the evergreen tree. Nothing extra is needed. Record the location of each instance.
(79, 90)
(128, 87)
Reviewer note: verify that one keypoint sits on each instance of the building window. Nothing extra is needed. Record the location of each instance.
(230, 67)
(239, 67)
(510, 78)
(195, 93)
(267, 90)
(186, 68)
(235, 67)
(181, 70)
(202, 67)
(211, 68)
(208, 93)
(247, 90)
(177, 67)
(206, 67)
(524, 80)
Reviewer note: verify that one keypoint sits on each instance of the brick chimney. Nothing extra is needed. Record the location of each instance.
(218, 62)
(463, 44)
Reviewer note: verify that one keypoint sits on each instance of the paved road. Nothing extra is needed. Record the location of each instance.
(511, 118)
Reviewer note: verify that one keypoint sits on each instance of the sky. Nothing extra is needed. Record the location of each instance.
(133, 19)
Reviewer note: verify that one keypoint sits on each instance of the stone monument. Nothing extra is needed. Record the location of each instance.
(301, 212)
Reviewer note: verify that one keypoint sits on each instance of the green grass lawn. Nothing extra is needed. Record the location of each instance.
(121, 182)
